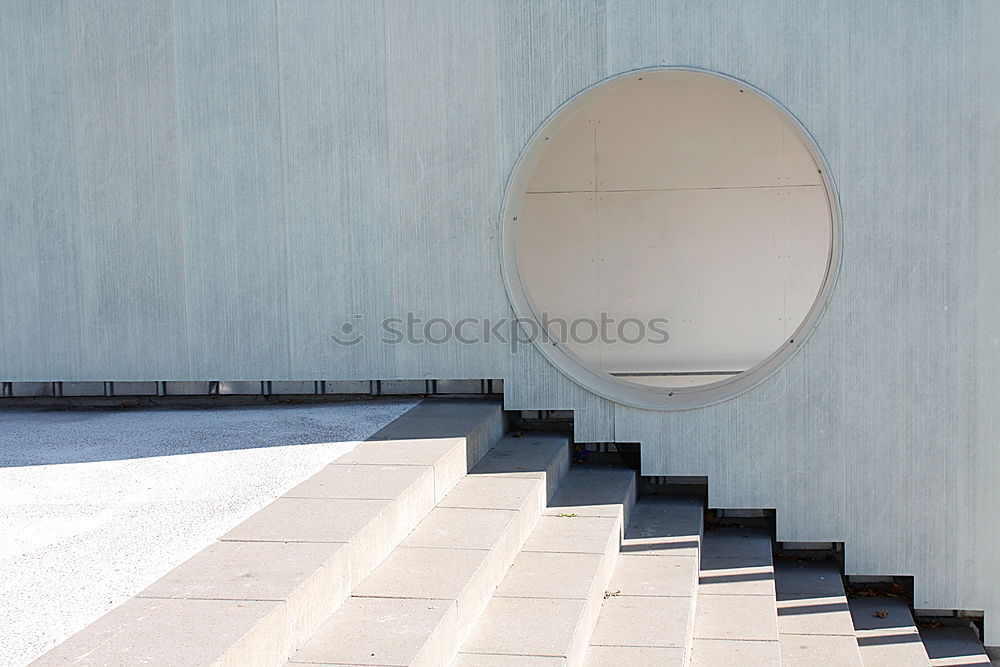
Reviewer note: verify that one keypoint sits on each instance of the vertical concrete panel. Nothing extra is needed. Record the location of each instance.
(131, 262)
(981, 539)
(445, 176)
(547, 53)
(39, 261)
(232, 205)
(337, 155)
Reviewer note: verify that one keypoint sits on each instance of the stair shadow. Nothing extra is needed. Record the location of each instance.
(953, 644)
(885, 640)
(826, 607)
(660, 545)
(665, 524)
(707, 579)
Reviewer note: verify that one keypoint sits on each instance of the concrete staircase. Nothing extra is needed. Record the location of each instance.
(445, 541)
(719, 598)
(258, 593)
(425, 597)
(545, 609)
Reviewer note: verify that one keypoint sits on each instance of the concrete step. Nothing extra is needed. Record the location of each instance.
(255, 595)
(886, 633)
(814, 620)
(953, 646)
(736, 621)
(545, 609)
(648, 615)
(418, 606)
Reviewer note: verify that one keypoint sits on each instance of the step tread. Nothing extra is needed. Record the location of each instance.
(288, 566)
(594, 490)
(886, 634)
(452, 561)
(736, 620)
(543, 574)
(671, 526)
(381, 631)
(814, 619)
(546, 606)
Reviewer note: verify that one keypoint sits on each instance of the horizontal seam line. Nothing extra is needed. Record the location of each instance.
(539, 597)
(277, 541)
(207, 599)
(733, 639)
(333, 498)
(526, 655)
(396, 463)
(665, 595)
(406, 597)
(421, 546)
(721, 187)
(550, 551)
(636, 646)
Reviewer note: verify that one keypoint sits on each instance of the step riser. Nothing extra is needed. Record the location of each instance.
(314, 601)
(440, 643)
(267, 646)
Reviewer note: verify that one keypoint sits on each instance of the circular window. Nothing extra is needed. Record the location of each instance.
(670, 237)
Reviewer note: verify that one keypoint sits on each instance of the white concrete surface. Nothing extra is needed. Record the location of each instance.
(97, 504)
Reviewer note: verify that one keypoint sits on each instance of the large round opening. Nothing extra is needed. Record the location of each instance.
(673, 235)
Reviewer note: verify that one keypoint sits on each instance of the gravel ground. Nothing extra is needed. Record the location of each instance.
(97, 504)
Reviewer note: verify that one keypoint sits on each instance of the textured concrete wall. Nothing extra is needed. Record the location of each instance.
(206, 191)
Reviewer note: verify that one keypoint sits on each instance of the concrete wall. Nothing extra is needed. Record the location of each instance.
(207, 191)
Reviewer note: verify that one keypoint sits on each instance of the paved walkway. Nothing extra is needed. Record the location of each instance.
(97, 504)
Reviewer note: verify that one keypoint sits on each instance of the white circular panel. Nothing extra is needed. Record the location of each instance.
(673, 234)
